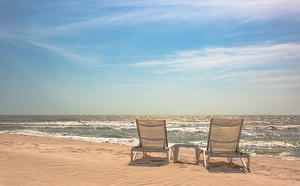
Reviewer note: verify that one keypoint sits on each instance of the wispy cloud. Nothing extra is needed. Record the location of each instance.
(206, 10)
(264, 66)
(99, 13)
(23, 41)
(71, 56)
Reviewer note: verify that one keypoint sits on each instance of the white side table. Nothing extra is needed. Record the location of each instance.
(186, 145)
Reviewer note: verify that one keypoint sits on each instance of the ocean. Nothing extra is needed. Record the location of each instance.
(262, 135)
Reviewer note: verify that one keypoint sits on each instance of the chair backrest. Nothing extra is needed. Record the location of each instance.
(224, 135)
(152, 134)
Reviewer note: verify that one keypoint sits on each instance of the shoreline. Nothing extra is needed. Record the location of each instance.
(31, 160)
(273, 136)
(134, 142)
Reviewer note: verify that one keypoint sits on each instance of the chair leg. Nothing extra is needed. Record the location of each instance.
(133, 156)
(243, 162)
(207, 163)
(144, 154)
(168, 156)
(204, 160)
(248, 163)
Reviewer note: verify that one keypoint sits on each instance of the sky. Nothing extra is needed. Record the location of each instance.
(150, 57)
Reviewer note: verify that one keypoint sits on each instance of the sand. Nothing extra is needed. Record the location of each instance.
(28, 160)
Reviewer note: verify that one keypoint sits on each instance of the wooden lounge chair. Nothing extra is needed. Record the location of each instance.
(223, 141)
(152, 138)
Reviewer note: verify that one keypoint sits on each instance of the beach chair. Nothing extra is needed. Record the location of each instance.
(223, 141)
(152, 138)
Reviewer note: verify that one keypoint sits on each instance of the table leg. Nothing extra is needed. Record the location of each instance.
(176, 153)
(197, 154)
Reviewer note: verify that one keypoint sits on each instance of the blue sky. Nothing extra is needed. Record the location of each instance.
(230, 57)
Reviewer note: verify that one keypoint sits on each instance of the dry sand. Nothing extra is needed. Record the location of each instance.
(27, 160)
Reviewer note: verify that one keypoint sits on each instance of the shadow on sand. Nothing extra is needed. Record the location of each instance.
(149, 161)
(225, 167)
(215, 167)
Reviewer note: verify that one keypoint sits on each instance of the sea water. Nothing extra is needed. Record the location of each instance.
(262, 135)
